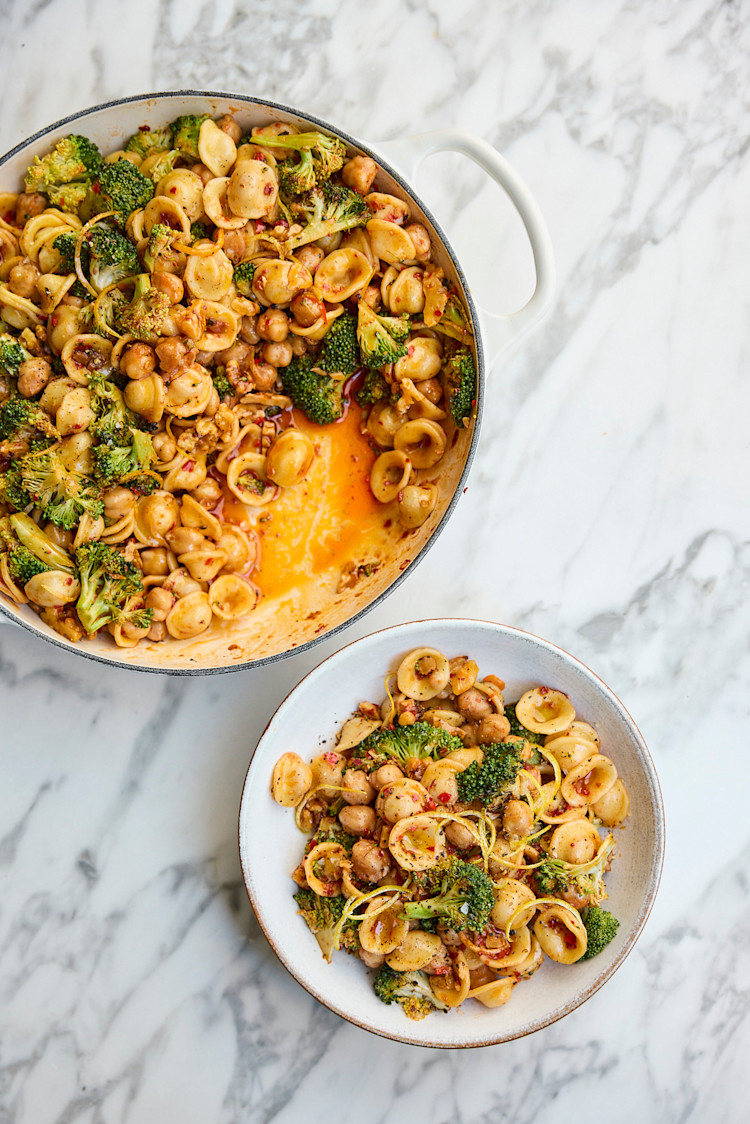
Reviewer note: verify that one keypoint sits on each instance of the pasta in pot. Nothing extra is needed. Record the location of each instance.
(415, 865)
(215, 320)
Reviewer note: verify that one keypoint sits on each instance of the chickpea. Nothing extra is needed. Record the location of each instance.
(361, 791)
(29, 204)
(400, 799)
(491, 729)
(460, 836)
(299, 346)
(165, 446)
(240, 353)
(263, 376)
(155, 562)
(431, 389)
(386, 774)
(306, 308)
(170, 284)
(273, 325)
(213, 403)
(205, 173)
(138, 361)
(518, 818)
(171, 353)
(359, 173)
(370, 862)
(278, 354)
(74, 302)
(421, 240)
(33, 376)
(118, 501)
(234, 245)
(158, 631)
(22, 279)
(371, 297)
(161, 601)
(58, 535)
(249, 329)
(181, 584)
(208, 493)
(62, 326)
(358, 819)
(310, 257)
(229, 126)
(473, 704)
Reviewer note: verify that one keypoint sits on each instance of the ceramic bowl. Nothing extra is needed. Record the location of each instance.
(307, 722)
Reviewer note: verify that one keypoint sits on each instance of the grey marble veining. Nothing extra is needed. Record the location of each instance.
(607, 511)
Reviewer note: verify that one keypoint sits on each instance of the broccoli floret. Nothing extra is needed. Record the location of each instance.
(401, 743)
(145, 315)
(21, 529)
(62, 495)
(159, 239)
(461, 376)
(125, 460)
(339, 353)
(185, 132)
(585, 881)
(113, 418)
(374, 388)
(518, 730)
(12, 354)
(411, 990)
(487, 782)
(324, 211)
(104, 313)
(147, 139)
(112, 257)
(243, 277)
(223, 386)
(454, 322)
(12, 490)
(198, 231)
(163, 165)
(319, 397)
(297, 176)
(65, 174)
(601, 928)
(65, 244)
(108, 581)
(327, 153)
(23, 419)
(463, 895)
(381, 338)
(123, 189)
(321, 917)
(23, 565)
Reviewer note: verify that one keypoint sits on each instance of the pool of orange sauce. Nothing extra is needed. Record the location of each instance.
(329, 519)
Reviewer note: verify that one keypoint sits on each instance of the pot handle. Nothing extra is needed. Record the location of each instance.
(407, 154)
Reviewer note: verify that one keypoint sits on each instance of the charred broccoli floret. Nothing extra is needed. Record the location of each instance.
(320, 155)
(339, 354)
(488, 782)
(21, 420)
(113, 418)
(12, 354)
(112, 257)
(148, 140)
(162, 165)
(401, 743)
(198, 231)
(159, 240)
(108, 582)
(123, 189)
(21, 530)
(319, 397)
(65, 244)
(62, 495)
(381, 338)
(126, 460)
(243, 277)
(144, 316)
(461, 377)
(297, 176)
(411, 990)
(65, 174)
(454, 322)
(321, 916)
(325, 210)
(12, 491)
(601, 928)
(374, 388)
(460, 894)
(185, 133)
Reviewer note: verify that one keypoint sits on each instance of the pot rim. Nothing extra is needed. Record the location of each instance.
(51, 637)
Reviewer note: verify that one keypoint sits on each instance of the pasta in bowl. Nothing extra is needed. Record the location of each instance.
(212, 302)
(463, 854)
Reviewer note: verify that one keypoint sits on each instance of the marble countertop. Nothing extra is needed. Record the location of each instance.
(607, 511)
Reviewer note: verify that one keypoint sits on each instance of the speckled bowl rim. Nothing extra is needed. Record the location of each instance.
(401, 632)
(250, 665)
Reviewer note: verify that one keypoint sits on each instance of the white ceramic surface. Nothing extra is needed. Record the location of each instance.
(271, 846)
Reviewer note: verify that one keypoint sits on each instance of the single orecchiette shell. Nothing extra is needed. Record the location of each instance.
(54, 392)
(203, 565)
(82, 354)
(278, 282)
(389, 475)
(561, 934)
(241, 550)
(399, 799)
(209, 277)
(406, 293)
(247, 478)
(53, 587)
(186, 473)
(222, 327)
(74, 412)
(493, 994)
(510, 895)
(146, 397)
(423, 360)
(189, 393)
(382, 930)
(190, 616)
(423, 442)
(453, 987)
(216, 205)
(578, 729)
(417, 842)
(589, 781)
(554, 809)
(216, 148)
(156, 515)
(439, 780)
(390, 242)
(575, 841)
(354, 731)
(194, 515)
(342, 274)
(417, 949)
(252, 190)
(416, 504)
(569, 750)
(422, 674)
(324, 866)
(232, 597)
(614, 806)
(545, 711)
(289, 458)
(387, 207)
(166, 211)
(186, 189)
(383, 423)
(76, 452)
(291, 780)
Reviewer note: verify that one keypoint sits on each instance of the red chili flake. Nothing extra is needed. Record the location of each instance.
(404, 564)
(258, 156)
(438, 313)
(419, 276)
(544, 690)
(267, 189)
(388, 521)
(189, 466)
(430, 848)
(95, 188)
(410, 351)
(465, 490)
(53, 320)
(444, 797)
(173, 191)
(144, 129)
(331, 758)
(259, 226)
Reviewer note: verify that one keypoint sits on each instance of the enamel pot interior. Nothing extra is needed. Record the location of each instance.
(279, 625)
